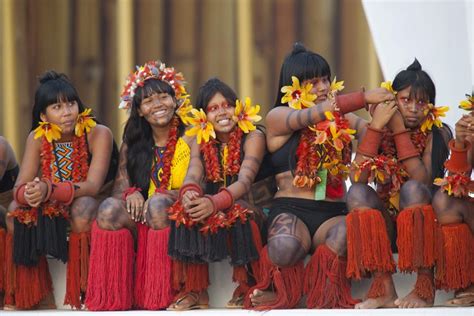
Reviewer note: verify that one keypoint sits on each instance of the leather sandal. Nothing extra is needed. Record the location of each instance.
(181, 304)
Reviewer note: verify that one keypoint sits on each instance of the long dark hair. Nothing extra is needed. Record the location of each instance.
(209, 90)
(423, 87)
(138, 135)
(53, 87)
(303, 64)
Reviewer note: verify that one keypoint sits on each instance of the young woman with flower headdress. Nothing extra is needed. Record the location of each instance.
(8, 173)
(214, 218)
(310, 141)
(454, 210)
(403, 150)
(66, 163)
(154, 157)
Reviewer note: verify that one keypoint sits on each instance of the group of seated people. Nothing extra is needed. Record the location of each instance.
(195, 184)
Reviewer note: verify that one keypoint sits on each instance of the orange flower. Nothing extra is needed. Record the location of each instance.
(84, 122)
(201, 128)
(467, 104)
(49, 130)
(298, 97)
(246, 114)
(388, 85)
(184, 111)
(433, 115)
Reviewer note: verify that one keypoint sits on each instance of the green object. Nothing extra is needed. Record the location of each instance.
(320, 190)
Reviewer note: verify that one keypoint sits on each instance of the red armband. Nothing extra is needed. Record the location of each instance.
(129, 191)
(350, 102)
(189, 187)
(405, 147)
(222, 200)
(20, 195)
(369, 146)
(62, 192)
(458, 162)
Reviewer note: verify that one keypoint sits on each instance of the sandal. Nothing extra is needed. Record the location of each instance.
(185, 304)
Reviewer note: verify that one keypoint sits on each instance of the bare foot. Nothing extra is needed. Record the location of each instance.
(465, 292)
(387, 300)
(259, 297)
(412, 300)
(463, 301)
(379, 302)
(462, 298)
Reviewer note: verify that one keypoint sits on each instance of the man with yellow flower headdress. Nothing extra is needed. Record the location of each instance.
(454, 207)
(402, 151)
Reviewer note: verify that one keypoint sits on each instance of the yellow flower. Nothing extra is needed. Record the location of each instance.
(246, 114)
(336, 167)
(336, 85)
(200, 126)
(467, 104)
(49, 130)
(433, 115)
(84, 122)
(388, 85)
(298, 97)
(184, 110)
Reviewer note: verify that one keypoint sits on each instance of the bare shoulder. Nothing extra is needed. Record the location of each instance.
(277, 114)
(31, 141)
(100, 131)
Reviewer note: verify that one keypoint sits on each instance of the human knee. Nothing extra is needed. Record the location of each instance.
(448, 210)
(285, 251)
(109, 213)
(157, 213)
(84, 208)
(414, 192)
(337, 238)
(288, 240)
(361, 195)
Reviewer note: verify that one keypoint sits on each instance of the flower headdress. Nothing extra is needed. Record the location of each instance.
(157, 70)
(467, 104)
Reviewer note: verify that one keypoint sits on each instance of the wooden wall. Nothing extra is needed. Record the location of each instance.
(98, 42)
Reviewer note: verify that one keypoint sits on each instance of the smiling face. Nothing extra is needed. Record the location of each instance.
(63, 113)
(411, 107)
(219, 113)
(321, 87)
(157, 109)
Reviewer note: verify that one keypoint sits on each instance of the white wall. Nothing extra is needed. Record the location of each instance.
(438, 33)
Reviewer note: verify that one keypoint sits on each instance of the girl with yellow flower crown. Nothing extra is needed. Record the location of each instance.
(66, 163)
(154, 157)
(309, 133)
(403, 150)
(454, 208)
(215, 217)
